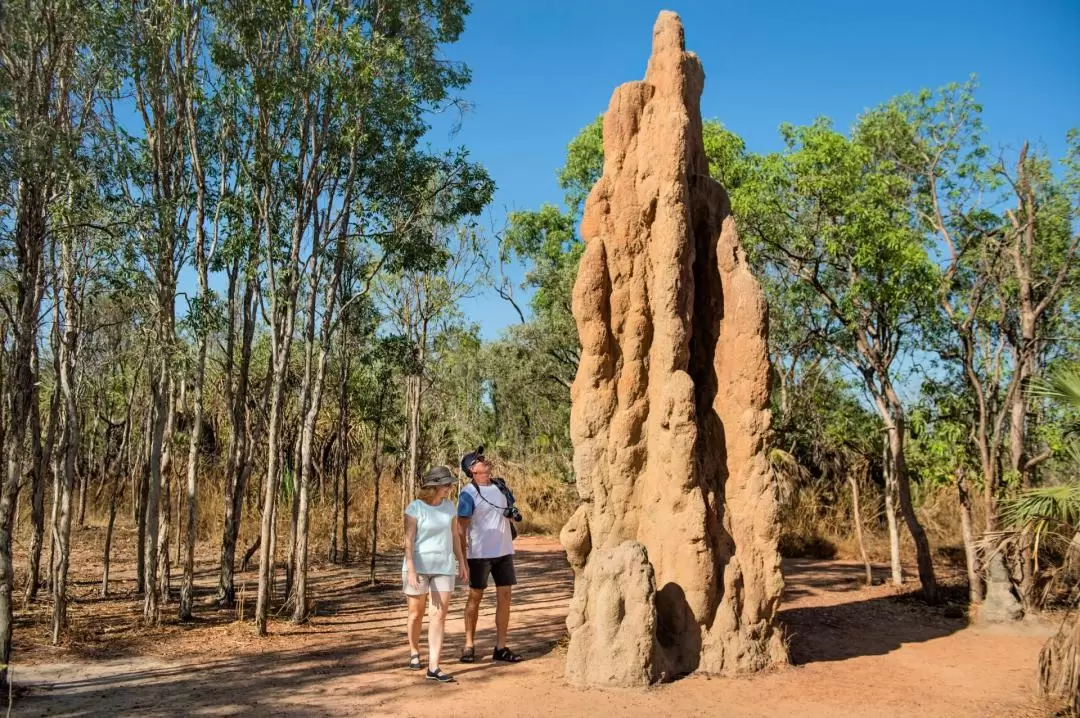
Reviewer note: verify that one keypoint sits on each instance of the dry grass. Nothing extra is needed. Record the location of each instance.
(545, 503)
(817, 523)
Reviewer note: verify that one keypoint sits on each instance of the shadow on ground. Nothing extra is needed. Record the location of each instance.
(823, 624)
(354, 646)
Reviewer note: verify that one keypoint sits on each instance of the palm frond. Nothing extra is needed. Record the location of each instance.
(1063, 386)
(1044, 509)
(788, 473)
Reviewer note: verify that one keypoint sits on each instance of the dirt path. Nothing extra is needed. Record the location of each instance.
(858, 652)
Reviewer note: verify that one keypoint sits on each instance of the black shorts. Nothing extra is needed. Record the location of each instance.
(501, 569)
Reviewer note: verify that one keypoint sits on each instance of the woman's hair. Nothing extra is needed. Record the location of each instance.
(427, 493)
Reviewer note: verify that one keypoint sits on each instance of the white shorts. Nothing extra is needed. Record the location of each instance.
(427, 582)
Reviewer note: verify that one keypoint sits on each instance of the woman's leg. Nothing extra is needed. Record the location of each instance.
(417, 604)
(440, 603)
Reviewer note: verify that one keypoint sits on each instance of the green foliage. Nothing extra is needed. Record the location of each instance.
(834, 212)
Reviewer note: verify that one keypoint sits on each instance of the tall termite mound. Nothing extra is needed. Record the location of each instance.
(674, 545)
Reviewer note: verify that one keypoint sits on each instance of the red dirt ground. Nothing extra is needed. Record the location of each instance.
(856, 652)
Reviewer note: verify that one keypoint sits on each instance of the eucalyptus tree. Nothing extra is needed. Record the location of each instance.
(208, 126)
(835, 214)
(1005, 256)
(48, 88)
(337, 94)
(159, 50)
(418, 302)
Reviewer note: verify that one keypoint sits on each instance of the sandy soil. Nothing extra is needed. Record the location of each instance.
(856, 652)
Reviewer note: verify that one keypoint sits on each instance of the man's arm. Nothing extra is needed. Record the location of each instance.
(465, 509)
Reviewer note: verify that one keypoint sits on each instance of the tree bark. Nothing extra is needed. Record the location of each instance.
(70, 444)
(151, 587)
(971, 555)
(907, 510)
(262, 606)
(376, 467)
(84, 475)
(307, 435)
(41, 462)
(237, 466)
(187, 590)
(167, 473)
(142, 488)
(856, 518)
(22, 393)
(896, 430)
(890, 516)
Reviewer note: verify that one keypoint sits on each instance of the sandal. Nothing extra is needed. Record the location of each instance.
(468, 655)
(414, 662)
(505, 655)
(438, 675)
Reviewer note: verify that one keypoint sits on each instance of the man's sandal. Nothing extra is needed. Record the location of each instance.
(414, 662)
(468, 655)
(505, 655)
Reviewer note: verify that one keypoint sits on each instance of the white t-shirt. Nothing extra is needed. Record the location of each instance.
(433, 548)
(489, 530)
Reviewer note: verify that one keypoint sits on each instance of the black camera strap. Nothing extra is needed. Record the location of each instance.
(501, 486)
(498, 484)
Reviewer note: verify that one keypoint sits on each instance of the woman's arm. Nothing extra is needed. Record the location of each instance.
(410, 542)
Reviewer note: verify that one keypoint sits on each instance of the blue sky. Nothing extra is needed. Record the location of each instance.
(542, 70)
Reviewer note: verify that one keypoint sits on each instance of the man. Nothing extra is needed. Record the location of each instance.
(485, 530)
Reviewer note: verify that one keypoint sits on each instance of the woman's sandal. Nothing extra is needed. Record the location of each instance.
(438, 675)
(414, 662)
(468, 655)
(505, 655)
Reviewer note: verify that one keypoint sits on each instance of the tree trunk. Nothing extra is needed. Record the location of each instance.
(306, 469)
(167, 473)
(266, 556)
(907, 509)
(187, 591)
(22, 393)
(890, 516)
(414, 389)
(856, 517)
(71, 440)
(290, 563)
(120, 461)
(237, 465)
(42, 460)
(342, 466)
(345, 508)
(107, 551)
(151, 586)
(376, 461)
(143, 492)
(84, 478)
(307, 432)
(975, 588)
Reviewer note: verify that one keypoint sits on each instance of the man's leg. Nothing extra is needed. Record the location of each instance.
(472, 613)
(502, 569)
(502, 614)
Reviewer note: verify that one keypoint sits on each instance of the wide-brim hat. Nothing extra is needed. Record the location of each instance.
(437, 476)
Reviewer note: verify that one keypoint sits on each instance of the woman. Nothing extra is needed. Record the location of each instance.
(433, 557)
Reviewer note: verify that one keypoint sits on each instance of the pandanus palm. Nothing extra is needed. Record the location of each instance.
(1052, 514)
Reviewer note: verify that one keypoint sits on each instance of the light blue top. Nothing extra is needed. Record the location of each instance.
(433, 549)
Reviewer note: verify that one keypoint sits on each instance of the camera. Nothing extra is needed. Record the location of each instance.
(511, 512)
